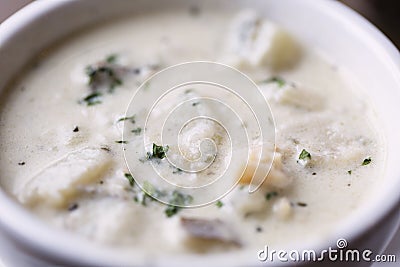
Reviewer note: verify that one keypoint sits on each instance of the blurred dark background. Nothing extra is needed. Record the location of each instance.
(385, 14)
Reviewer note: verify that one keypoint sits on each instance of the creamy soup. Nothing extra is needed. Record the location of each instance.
(62, 150)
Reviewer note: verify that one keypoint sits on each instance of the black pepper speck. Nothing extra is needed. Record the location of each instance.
(73, 207)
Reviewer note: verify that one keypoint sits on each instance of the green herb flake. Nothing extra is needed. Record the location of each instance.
(131, 119)
(177, 199)
(111, 58)
(366, 161)
(159, 151)
(92, 99)
(305, 155)
(171, 211)
(149, 189)
(104, 74)
(276, 79)
(147, 192)
(121, 142)
(219, 204)
(180, 199)
(271, 195)
(137, 131)
(130, 179)
(141, 198)
(349, 172)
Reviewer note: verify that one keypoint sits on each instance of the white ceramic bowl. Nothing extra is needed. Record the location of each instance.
(327, 25)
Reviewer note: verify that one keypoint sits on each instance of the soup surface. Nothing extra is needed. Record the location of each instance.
(62, 150)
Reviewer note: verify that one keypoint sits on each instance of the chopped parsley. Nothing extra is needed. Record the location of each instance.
(301, 204)
(137, 131)
(147, 192)
(176, 199)
(349, 172)
(121, 142)
(219, 204)
(92, 99)
(105, 74)
(111, 58)
(141, 198)
(131, 119)
(76, 129)
(366, 161)
(276, 79)
(21, 163)
(158, 152)
(271, 195)
(149, 189)
(304, 155)
(171, 211)
(130, 179)
(195, 104)
(180, 199)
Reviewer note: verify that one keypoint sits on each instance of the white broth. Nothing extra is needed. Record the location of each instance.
(62, 149)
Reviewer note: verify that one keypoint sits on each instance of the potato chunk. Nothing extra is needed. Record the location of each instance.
(59, 181)
(255, 42)
(276, 177)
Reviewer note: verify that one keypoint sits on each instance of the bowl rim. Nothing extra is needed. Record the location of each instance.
(37, 238)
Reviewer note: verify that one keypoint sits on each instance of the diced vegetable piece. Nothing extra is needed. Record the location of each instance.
(61, 180)
(253, 41)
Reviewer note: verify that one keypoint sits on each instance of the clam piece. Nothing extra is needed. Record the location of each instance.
(210, 230)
